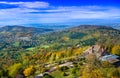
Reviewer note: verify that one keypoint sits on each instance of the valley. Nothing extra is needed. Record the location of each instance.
(29, 51)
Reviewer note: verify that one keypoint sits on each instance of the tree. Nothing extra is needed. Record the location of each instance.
(92, 68)
(114, 73)
(116, 50)
(64, 68)
(28, 71)
(92, 72)
(14, 69)
(1, 72)
(106, 64)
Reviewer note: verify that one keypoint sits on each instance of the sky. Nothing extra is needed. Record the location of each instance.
(16, 12)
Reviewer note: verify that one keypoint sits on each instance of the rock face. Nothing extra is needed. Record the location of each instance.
(96, 50)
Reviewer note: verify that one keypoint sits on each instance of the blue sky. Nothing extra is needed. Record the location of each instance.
(13, 12)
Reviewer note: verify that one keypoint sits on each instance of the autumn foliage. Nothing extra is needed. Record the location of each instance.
(116, 50)
(28, 71)
(14, 69)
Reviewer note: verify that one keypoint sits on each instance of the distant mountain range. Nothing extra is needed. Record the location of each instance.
(113, 25)
(82, 35)
(69, 25)
(116, 26)
(50, 26)
(23, 30)
(60, 26)
(41, 28)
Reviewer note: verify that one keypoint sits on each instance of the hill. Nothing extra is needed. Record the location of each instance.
(46, 51)
(13, 36)
(83, 35)
(21, 29)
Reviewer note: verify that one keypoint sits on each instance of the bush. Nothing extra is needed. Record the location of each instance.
(64, 68)
(116, 50)
(65, 74)
(114, 73)
(47, 76)
(14, 69)
(28, 71)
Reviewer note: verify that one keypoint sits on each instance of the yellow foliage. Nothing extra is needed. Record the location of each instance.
(116, 50)
(14, 69)
(80, 50)
(95, 73)
(28, 71)
(114, 73)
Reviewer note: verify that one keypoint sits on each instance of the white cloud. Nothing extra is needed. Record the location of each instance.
(27, 13)
(84, 12)
(36, 4)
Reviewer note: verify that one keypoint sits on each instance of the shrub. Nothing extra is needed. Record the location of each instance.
(14, 69)
(28, 71)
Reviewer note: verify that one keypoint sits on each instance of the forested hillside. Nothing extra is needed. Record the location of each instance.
(27, 52)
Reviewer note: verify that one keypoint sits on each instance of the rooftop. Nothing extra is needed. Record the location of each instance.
(110, 58)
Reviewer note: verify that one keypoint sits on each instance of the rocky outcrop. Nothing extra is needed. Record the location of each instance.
(97, 50)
